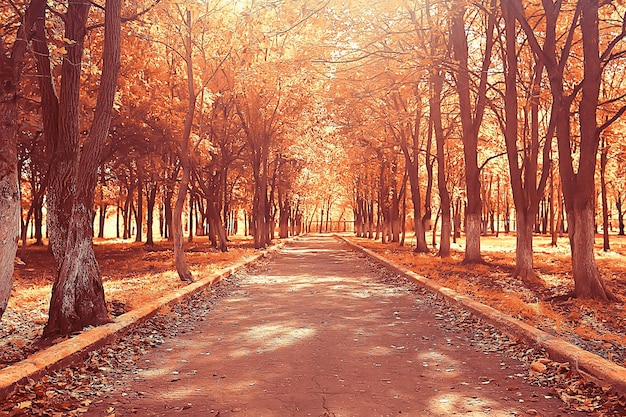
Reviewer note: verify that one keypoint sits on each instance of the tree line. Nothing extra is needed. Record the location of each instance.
(456, 112)
(495, 102)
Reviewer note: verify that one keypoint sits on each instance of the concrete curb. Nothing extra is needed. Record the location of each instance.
(602, 372)
(77, 348)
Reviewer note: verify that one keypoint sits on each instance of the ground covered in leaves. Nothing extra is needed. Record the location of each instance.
(78, 391)
(73, 391)
(132, 274)
(595, 326)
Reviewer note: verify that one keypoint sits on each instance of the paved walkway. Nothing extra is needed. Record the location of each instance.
(317, 331)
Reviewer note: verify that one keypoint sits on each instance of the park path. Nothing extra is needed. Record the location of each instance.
(319, 330)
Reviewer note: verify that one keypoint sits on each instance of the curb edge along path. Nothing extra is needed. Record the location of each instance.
(601, 371)
(75, 349)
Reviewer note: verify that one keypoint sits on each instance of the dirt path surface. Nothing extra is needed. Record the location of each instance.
(318, 330)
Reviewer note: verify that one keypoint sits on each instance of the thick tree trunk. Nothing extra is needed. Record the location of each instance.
(9, 191)
(587, 280)
(65, 152)
(77, 293)
(472, 237)
(524, 267)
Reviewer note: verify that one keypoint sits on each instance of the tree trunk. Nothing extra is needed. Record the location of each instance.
(577, 184)
(471, 119)
(65, 152)
(444, 195)
(580, 227)
(579, 188)
(128, 215)
(527, 190)
(151, 201)
(524, 267)
(559, 217)
(38, 221)
(605, 204)
(426, 218)
(9, 191)
(283, 217)
(102, 210)
(411, 157)
(139, 215)
(167, 203)
(217, 225)
(177, 219)
(77, 293)
(190, 219)
(620, 215)
(403, 215)
(177, 229)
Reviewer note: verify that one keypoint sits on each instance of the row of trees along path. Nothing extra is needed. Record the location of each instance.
(283, 112)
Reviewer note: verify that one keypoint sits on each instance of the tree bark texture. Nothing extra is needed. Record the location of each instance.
(77, 293)
(65, 148)
(11, 65)
(9, 191)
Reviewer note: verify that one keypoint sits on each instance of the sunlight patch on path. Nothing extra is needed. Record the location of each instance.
(269, 337)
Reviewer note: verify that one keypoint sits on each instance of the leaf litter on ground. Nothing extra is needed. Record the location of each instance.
(573, 388)
(72, 391)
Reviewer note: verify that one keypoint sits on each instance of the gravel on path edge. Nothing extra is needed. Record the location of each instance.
(587, 374)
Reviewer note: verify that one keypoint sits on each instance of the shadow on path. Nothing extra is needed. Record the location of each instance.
(316, 330)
